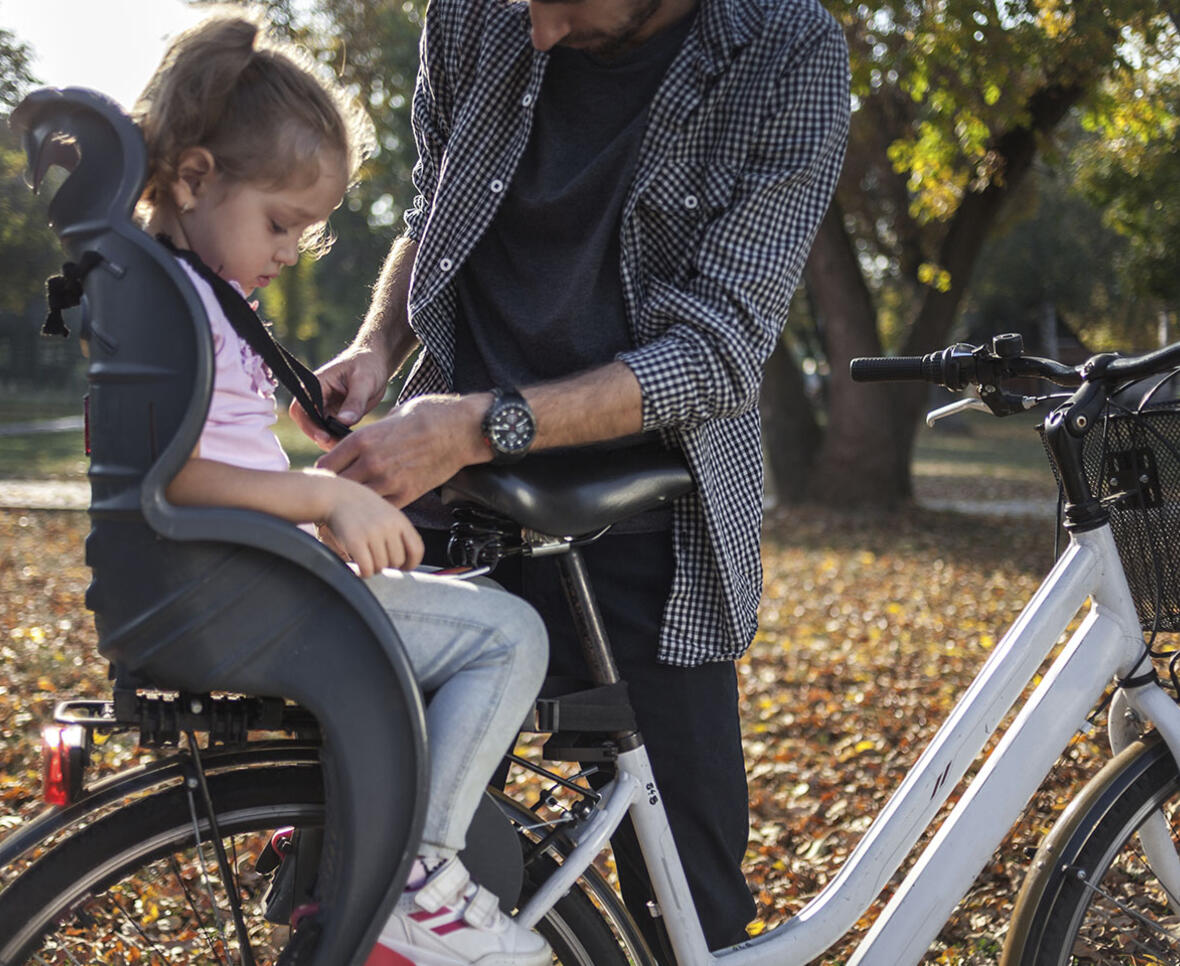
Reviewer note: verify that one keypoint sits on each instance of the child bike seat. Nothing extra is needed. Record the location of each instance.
(200, 599)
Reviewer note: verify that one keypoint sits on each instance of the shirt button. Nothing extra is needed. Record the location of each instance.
(690, 201)
(446, 264)
(526, 100)
(497, 186)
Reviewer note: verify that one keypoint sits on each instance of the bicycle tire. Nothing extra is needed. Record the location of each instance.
(1090, 897)
(88, 897)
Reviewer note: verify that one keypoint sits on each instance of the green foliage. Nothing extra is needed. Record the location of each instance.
(956, 75)
(1131, 170)
(942, 93)
(1058, 256)
(28, 249)
(15, 78)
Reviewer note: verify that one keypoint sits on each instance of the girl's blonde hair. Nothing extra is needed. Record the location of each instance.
(256, 104)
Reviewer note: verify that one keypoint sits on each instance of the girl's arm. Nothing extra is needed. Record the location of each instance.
(371, 531)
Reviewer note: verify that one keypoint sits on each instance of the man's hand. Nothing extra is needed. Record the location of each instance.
(353, 384)
(418, 446)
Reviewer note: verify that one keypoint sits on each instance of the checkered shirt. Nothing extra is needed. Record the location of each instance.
(743, 146)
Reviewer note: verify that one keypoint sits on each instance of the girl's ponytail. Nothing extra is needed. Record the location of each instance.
(259, 107)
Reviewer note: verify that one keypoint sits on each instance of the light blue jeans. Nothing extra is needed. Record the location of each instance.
(483, 653)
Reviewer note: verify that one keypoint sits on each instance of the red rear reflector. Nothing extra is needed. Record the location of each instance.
(63, 749)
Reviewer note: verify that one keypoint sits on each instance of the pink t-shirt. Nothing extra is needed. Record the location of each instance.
(242, 411)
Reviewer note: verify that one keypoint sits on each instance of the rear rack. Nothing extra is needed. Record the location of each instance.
(162, 716)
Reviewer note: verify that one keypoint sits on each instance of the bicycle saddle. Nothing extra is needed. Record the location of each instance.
(575, 491)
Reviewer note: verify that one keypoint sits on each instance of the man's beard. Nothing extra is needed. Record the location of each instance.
(612, 46)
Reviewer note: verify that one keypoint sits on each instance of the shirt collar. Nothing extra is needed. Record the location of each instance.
(724, 27)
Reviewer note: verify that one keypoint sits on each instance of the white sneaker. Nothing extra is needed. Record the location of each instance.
(451, 921)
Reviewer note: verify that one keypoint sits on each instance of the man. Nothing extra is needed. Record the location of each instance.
(616, 198)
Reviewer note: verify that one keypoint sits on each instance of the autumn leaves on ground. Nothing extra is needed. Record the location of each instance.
(870, 629)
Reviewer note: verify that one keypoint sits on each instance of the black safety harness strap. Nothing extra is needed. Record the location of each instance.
(300, 381)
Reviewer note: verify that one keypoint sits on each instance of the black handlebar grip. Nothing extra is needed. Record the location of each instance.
(891, 369)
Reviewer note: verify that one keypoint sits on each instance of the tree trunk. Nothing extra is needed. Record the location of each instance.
(790, 434)
(859, 462)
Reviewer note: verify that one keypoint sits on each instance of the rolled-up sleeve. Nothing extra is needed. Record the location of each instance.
(717, 329)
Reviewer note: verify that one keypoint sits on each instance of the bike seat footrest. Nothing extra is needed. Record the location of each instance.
(605, 709)
(575, 746)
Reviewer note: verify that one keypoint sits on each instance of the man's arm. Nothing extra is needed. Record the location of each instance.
(425, 441)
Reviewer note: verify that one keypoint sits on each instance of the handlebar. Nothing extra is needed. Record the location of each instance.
(961, 365)
(989, 367)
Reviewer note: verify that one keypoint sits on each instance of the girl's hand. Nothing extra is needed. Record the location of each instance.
(370, 530)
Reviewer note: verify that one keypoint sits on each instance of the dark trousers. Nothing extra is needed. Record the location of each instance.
(688, 718)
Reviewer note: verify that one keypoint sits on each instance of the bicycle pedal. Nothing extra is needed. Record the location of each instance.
(276, 849)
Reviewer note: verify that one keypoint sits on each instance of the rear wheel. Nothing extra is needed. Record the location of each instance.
(138, 882)
(1092, 896)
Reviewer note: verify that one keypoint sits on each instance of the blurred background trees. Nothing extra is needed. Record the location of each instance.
(978, 121)
(1012, 166)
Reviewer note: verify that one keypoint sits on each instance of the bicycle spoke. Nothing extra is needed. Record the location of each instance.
(192, 904)
(206, 879)
(130, 920)
(1125, 937)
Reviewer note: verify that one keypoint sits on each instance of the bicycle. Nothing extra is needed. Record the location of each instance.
(216, 807)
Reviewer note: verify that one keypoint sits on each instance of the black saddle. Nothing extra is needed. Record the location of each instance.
(572, 492)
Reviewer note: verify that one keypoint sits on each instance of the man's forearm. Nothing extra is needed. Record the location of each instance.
(387, 326)
(601, 404)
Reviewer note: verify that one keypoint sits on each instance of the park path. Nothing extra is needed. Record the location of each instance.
(75, 494)
(44, 494)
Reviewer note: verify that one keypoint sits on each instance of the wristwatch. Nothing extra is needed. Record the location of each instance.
(508, 426)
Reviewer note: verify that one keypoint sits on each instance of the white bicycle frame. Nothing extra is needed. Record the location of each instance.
(1108, 644)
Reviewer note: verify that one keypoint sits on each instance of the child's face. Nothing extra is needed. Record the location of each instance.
(247, 233)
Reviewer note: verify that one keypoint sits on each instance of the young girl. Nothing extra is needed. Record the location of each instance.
(249, 153)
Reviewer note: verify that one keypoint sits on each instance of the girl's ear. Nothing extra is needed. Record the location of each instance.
(195, 172)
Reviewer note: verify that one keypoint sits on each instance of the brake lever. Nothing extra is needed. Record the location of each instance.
(958, 406)
(994, 401)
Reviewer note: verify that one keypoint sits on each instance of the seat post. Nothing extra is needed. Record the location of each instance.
(575, 581)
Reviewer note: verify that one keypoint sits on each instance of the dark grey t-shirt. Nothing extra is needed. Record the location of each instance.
(540, 295)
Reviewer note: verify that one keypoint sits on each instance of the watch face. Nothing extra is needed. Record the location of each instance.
(510, 428)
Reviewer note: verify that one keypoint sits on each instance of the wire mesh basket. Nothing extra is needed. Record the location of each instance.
(1133, 465)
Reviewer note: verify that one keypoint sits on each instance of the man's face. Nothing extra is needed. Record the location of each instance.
(604, 28)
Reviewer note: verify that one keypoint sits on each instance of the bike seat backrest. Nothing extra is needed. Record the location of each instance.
(150, 377)
(573, 492)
